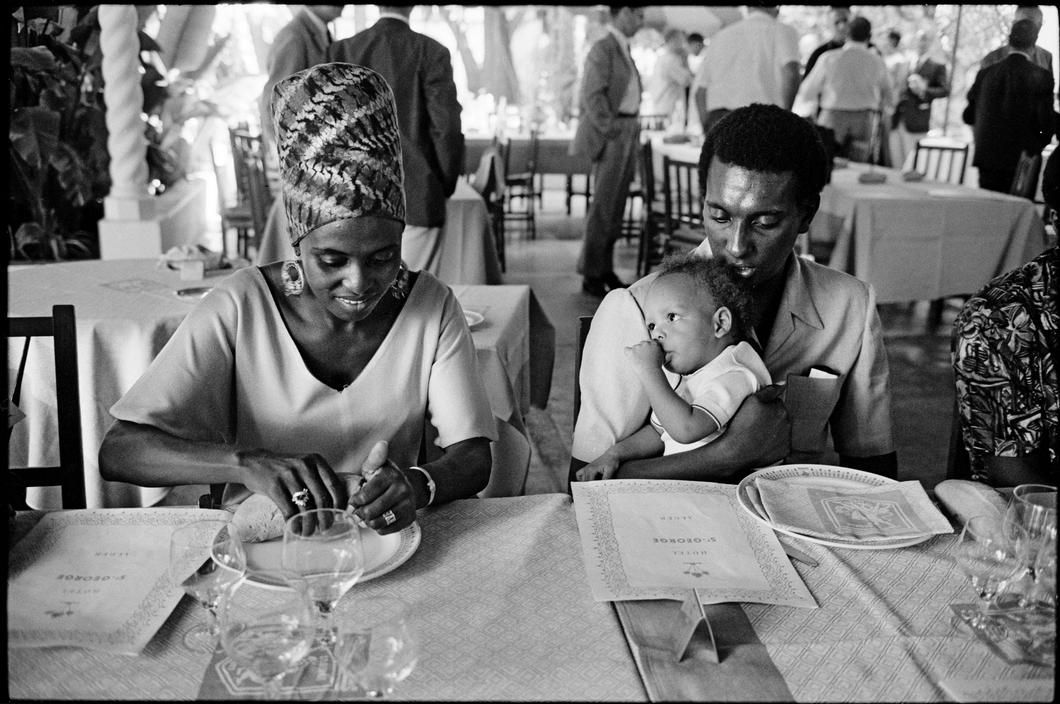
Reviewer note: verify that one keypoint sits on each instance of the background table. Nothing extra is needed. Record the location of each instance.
(499, 597)
(127, 310)
(923, 240)
(467, 253)
(552, 154)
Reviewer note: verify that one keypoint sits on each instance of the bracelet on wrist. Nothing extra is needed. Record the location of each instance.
(431, 488)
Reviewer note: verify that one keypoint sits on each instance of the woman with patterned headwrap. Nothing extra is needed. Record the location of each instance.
(288, 378)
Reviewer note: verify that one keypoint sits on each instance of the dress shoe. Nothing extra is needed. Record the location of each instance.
(600, 286)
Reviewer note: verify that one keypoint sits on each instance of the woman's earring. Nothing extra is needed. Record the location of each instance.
(293, 278)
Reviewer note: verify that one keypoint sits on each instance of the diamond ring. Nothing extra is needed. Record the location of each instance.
(301, 498)
(389, 517)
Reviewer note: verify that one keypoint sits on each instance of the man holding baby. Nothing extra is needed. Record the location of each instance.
(761, 170)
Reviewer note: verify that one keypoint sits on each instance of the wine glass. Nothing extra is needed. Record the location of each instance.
(323, 546)
(268, 631)
(377, 643)
(1033, 508)
(205, 557)
(986, 553)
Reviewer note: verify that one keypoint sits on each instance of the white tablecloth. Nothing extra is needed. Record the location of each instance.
(126, 311)
(502, 608)
(923, 240)
(466, 254)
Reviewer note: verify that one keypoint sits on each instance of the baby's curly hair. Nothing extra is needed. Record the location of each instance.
(726, 287)
(768, 138)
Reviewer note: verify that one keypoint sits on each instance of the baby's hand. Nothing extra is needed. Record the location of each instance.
(603, 467)
(646, 355)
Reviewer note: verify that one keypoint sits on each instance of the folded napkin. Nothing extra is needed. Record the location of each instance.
(865, 514)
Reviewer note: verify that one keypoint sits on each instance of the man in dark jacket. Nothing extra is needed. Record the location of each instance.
(420, 73)
(1010, 109)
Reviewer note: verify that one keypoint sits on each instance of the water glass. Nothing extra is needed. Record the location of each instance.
(378, 645)
(986, 551)
(1033, 508)
(323, 546)
(205, 557)
(268, 631)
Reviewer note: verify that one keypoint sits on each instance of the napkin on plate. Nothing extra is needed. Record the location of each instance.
(901, 510)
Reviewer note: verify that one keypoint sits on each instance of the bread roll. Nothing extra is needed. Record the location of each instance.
(963, 499)
(258, 518)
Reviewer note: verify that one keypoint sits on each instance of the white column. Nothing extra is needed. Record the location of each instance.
(126, 142)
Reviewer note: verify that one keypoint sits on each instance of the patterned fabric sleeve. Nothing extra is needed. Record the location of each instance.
(1003, 348)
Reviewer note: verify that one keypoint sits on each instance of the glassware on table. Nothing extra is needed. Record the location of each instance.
(1033, 508)
(323, 546)
(378, 645)
(268, 631)
(205, 558)
(986, 551)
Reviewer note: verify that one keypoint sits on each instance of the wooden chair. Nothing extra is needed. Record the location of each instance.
(70, 472)
(488, 181)
(252, 186)
(1025, 183)
(522, 185)
(585, 192)
(941, 159)
(584, 322)
(683, 222)
(653, 208)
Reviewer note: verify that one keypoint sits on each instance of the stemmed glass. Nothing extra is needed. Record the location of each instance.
(377, 643)
(1032, 508)
(205, 557)
(268, 631)
(323, 546)
(986, 553)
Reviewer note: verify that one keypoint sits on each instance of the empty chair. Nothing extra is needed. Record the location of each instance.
(941, 159)
(69, 474)
(683, 221)
(1025, 182)
(252, 185)
(522, 185)
(653, 209)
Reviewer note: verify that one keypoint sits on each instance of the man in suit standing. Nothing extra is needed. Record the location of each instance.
(1010, 109)
(1039, 56)
(912, 116)
(300, 44)
(420, 72)
(608, 133)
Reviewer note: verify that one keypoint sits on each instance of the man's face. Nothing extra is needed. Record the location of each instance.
(841, 24)
(752, 219)
(630, 20)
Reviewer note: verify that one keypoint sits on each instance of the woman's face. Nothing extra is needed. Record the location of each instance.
(350, 264)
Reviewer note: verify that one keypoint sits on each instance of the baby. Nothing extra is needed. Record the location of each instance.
(698, 313)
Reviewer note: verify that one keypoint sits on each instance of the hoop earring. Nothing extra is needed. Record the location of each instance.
(293, 277)
(400, 288)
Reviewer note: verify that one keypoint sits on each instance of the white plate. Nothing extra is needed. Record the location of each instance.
(382, 553)
(473, 318)
(840, 478)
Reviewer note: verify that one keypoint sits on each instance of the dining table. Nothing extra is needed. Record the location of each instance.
(127, 309)
(466, 253)
(499, 592)
(922, 240)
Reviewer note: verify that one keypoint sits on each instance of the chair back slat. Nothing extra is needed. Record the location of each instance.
(61, 326)
(935, 158)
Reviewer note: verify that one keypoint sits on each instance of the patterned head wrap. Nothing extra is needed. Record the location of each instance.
(340, 152)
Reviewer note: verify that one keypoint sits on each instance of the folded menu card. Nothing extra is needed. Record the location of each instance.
(864, 513)
(94, 578)
(657, 539)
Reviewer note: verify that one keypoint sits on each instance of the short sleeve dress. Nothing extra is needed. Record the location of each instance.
(232, 373)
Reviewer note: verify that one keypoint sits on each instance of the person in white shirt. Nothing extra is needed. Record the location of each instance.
(852, 86)
(755, 60)
(670, 78)
(699, 316)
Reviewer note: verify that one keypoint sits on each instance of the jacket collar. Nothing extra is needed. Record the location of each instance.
(796, 303)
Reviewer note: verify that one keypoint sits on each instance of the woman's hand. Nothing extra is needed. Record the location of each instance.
(280, 477)
(386, 493)
(603, 467)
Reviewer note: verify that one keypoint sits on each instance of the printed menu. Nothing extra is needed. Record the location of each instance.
(95, 578)
(658, 539)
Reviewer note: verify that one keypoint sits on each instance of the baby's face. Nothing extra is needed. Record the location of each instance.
(680, 318)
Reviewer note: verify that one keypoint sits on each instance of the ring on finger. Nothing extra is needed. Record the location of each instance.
(301, 498)
(389, 517)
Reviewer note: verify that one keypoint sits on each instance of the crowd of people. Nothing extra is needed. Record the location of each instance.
(293, 375)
